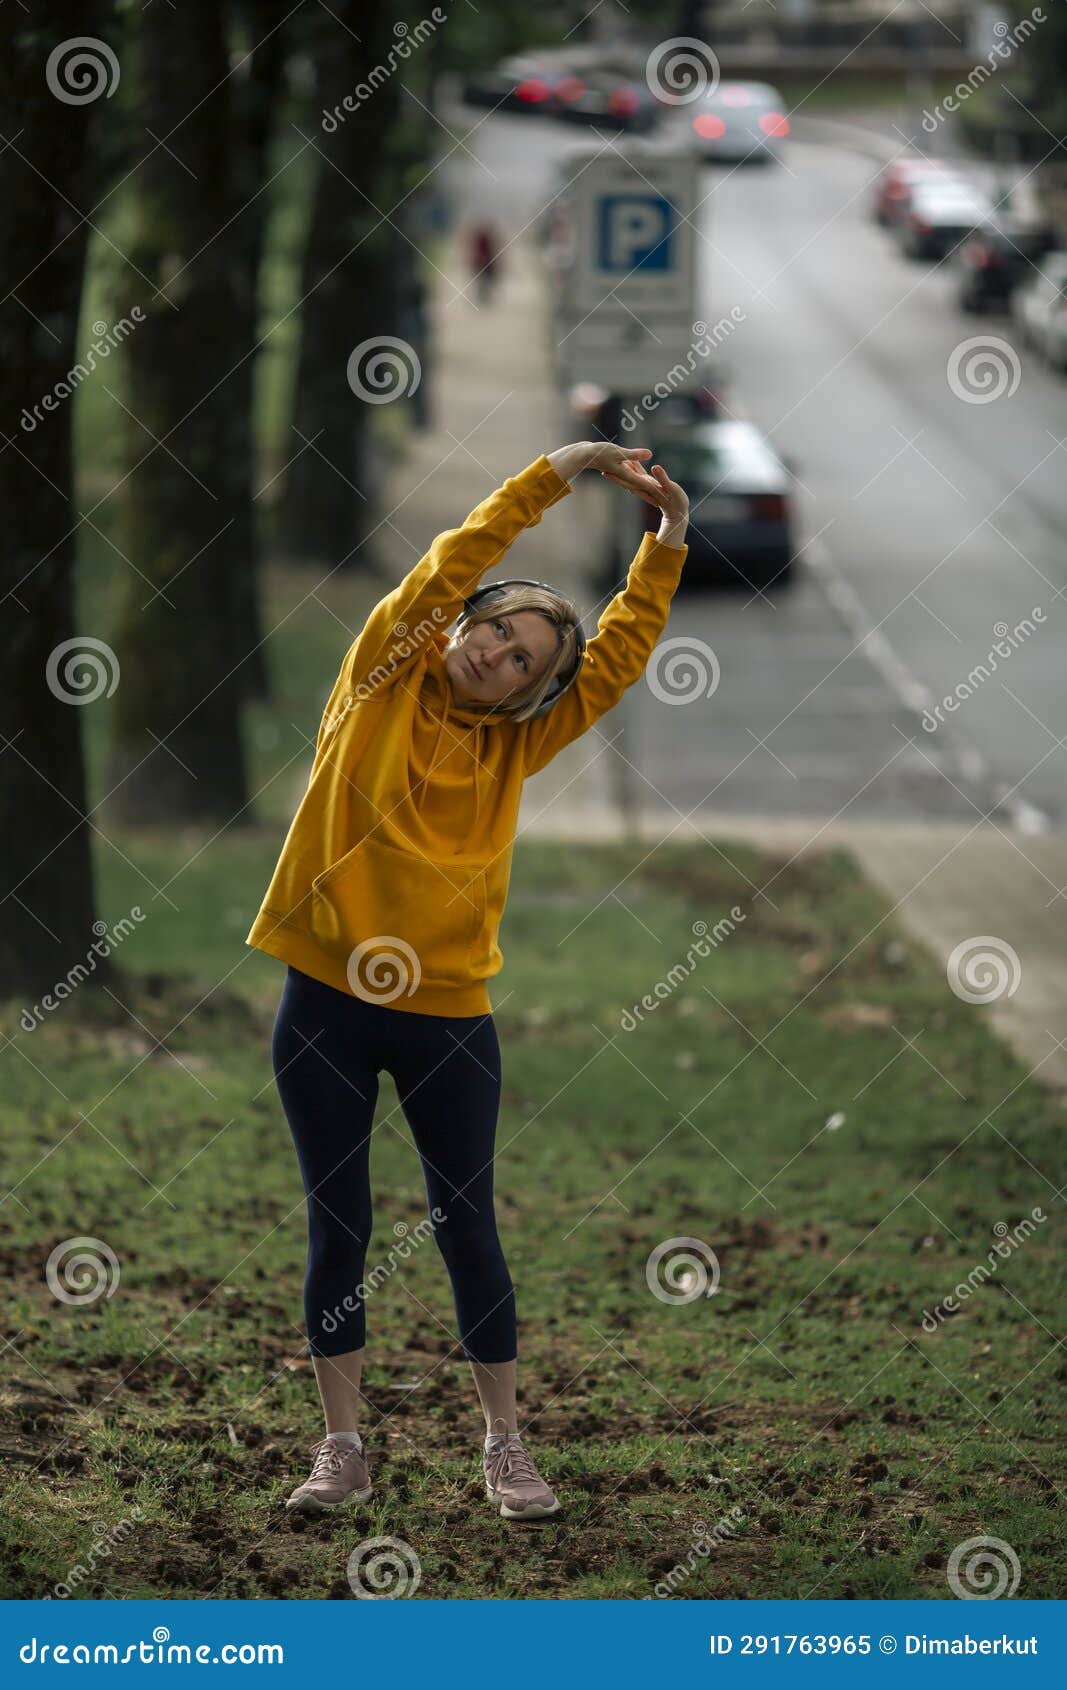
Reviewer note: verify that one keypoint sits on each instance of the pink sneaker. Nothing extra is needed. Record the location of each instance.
(340, 1475)
(512, 1480)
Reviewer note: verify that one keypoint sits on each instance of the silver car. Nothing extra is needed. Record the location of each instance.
(940, 215)
(739, 122)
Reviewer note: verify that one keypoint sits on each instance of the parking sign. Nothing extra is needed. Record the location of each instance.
(623, 266)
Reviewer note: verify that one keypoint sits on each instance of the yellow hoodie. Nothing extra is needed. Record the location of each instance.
(394, 873)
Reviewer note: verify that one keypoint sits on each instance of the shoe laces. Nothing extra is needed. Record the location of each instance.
(518, 1462)
(328, 1458)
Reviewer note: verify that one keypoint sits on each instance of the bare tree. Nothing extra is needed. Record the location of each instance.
(47, 178)
(182, 639)
(347, 287)
(260, 47)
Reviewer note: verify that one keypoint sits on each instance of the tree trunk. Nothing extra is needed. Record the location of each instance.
(46, 925)
(1048, 57)
(177, 753)
(258, 84)
(347, 288)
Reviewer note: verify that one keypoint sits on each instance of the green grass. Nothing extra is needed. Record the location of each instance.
(844, 1450)
(842, 93)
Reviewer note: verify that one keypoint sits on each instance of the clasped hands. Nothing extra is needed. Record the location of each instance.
(624, 465)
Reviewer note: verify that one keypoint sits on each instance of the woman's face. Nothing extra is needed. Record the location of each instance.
(508, 652)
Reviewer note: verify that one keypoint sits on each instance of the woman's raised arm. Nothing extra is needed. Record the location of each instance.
(633, 621)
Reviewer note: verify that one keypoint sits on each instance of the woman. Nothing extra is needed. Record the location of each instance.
(385, 904)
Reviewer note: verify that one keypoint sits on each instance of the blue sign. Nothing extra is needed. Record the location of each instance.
(635, 231)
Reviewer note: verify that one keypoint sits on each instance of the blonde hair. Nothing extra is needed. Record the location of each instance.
(561, 613)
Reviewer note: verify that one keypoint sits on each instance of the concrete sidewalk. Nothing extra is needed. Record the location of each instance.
(948, 881)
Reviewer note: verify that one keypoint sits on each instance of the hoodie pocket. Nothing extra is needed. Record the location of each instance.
(421, 915)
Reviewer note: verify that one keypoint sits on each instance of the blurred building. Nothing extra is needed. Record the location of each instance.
(949, 18)
(750, 35)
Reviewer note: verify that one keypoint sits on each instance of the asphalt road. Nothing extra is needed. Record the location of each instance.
(926, 521)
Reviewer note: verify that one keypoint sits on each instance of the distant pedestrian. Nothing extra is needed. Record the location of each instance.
(484, 258)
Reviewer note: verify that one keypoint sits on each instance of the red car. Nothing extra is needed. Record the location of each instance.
(606, 96)
(892, 190)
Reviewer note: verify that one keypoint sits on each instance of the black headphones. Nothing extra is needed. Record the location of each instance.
(475, 601)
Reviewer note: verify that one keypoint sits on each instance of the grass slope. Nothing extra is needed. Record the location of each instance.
(797, 1433)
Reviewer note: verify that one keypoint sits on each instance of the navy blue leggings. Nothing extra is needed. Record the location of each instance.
(327, 1049)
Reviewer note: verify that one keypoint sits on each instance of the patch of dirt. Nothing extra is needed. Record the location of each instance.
(705, 878)
(849, 1017)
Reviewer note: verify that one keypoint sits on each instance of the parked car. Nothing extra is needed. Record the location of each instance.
(739, 121)
(1040, 308)
(999, 257)
(605, 416)
(893, 185)
(606, 96)
(521, 83)
(940, 215)
(740, 516)
(693, 405)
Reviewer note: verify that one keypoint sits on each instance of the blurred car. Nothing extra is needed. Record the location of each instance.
(941, 214)
(740, 515)
(696, 404)
(606, 96)
(998, 258)
(1040, 308)
(521, 83)
(738, 121)
(601, 412)
(893, 185)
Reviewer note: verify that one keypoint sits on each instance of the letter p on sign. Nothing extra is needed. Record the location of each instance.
(635, 230)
